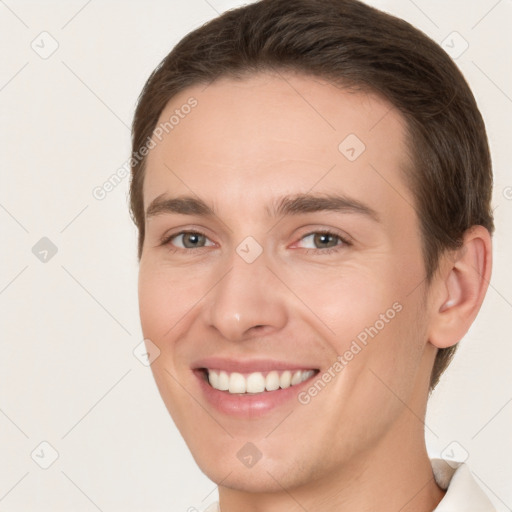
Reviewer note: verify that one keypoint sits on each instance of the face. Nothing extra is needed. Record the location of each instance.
(282, 278)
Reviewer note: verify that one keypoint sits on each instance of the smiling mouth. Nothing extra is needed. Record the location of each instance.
(255, 382)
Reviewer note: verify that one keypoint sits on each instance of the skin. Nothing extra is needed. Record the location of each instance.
(359, 444)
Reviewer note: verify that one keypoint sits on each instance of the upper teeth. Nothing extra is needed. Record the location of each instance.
(256, 382)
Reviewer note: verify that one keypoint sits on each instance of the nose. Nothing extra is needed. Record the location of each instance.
(247, 301)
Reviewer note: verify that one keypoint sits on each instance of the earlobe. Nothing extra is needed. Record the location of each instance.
(461, 287)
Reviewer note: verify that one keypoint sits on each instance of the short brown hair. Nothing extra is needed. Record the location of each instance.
(354, 45)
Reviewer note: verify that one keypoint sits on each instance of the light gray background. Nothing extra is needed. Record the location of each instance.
(68, 375)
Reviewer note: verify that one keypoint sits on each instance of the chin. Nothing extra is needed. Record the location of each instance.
(254, 480)
(266, 476)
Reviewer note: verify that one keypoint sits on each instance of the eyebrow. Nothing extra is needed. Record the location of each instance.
(296, 204)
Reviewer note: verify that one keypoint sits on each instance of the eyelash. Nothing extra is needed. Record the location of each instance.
(329, 250)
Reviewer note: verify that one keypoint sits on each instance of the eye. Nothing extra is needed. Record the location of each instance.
(187, 240)
(326, 240)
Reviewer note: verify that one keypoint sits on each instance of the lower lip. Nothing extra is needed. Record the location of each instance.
(249, 405)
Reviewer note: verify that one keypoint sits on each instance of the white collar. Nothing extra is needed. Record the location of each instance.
(462, 491)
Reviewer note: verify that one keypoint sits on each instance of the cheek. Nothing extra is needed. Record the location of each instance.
(385, 372)
(161, 306)
(153, 302)
(164, 299)
(376, 327)
(346, 300)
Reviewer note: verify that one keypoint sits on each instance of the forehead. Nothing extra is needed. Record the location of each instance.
(276, 134)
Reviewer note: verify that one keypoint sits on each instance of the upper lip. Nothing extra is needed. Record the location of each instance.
(249, 365)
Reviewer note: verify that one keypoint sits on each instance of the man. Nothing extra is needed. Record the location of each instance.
(312, 187)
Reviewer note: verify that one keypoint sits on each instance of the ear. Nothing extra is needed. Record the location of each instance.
(460, 288)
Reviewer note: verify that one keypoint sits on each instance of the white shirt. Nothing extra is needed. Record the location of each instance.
(463, 494)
